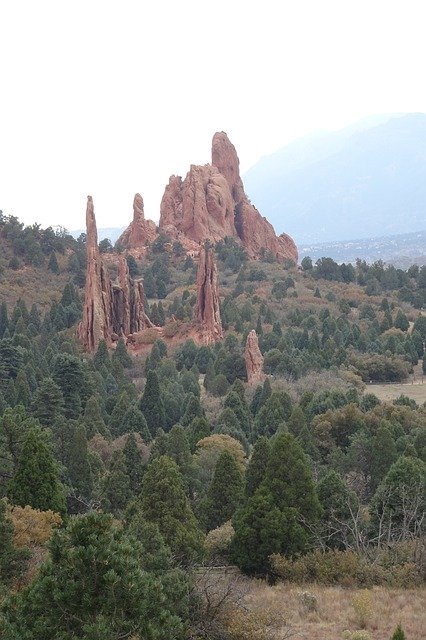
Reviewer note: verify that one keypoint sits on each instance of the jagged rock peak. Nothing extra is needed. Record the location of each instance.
(138, 212)
(110, 310)
(210, 204)
(207, 310)
(254, 359)
(140, 232)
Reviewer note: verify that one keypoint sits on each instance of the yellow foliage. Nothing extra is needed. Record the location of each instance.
(219, 442)
(363, 607)
(31, 526)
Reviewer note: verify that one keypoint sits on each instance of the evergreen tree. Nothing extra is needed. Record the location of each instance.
(134, 422)
(101, 357)
(209, 376)
(233, 401)
(78, 464)
(36, 481)
(257, 465)
(4, 319)
(93, 419)
(117, 490)
(198, 429)
(95, 578)
(22, 389)
(278, 516)
(401, 321)
(121, 354)
(48, 402)
(134, 463)
(152, 405)
(164, 502)
(121, 407)
(225, 492)
(53, 265)
(383, 454)
(161, 314)
(296, 421)
(193, 409)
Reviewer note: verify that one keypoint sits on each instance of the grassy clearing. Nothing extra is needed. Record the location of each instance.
(389, 392)
(378, 610)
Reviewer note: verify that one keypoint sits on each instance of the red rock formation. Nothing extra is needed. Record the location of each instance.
(254, 359)
(207, 310)
(211, 204)
(110, 310)
(140, 232)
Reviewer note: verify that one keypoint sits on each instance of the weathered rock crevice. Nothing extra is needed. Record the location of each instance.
(207, 310)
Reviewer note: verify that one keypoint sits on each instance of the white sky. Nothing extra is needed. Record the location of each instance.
(110, 98)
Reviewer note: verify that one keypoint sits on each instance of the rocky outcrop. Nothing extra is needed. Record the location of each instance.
(210, 203)
(110, 310)
(207, 310)
(140, 232)
(254, 359)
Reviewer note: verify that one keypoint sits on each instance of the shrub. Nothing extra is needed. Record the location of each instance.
(363, 608)
(171, 329)
(217, 542)
(356, 635)
(398, 634)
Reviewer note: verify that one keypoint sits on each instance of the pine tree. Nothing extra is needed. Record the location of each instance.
(22, 389)
(225, 492)
(121, 354)
(233, 401)
(152, 405)
(198, 429)
(209, 376)
(116, 490)
(296, 421)
(36, 481)
(96, 578)
(53, 265)
(257, 465)
(134, 422)
(121, 407)
(79, 469)
(101, 357)
(193, 409)
(134, 463)
(92, 418)
(164, 502)
(4, 319)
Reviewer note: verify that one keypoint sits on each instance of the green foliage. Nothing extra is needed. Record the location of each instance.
(398, 634)
(152, 405)
(257, 465)
(163, 502)
(12, 561)
(95, 578)
(48, 402)
(36, 481)
(225, 492)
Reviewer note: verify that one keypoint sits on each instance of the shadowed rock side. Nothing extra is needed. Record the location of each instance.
(210, 203)
(140, 232)
(207, 310)
(254, 359)
(110, 310)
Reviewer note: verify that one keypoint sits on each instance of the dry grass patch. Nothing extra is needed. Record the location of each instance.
(319, 613)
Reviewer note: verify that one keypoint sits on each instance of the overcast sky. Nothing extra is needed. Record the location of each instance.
(110, 98)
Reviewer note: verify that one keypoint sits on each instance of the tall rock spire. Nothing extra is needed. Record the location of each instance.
(207, 310)
(97, 310)
(140, 232)
(254, 359)
(110, 310)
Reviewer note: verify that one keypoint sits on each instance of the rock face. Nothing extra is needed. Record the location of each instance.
(110, 310)
(140, 232)
(210, 203)
(207, 310)
(254, 359)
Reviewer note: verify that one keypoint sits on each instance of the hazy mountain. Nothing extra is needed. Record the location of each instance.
(400, 250)
(112, 233)
(366, 180)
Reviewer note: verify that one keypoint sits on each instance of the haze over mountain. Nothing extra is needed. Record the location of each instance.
(366, 180)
